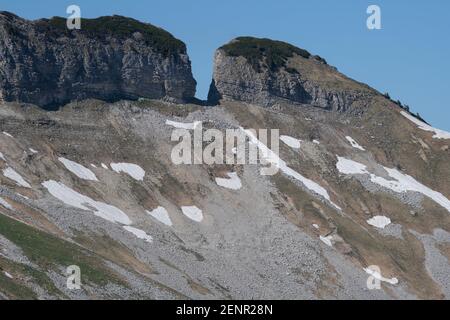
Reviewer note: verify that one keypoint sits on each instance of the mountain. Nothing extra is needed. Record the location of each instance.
(360, 183)
(110, 58)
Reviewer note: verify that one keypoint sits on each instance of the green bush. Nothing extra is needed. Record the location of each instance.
(259, 52)
(117, 26)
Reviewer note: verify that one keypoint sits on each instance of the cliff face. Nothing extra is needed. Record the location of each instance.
(110, 58)
(263, 72)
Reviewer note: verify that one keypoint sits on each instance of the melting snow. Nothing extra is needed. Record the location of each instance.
(400, 183)
(327, 240)
(4, 203)
(379, 221)
(273, 158)
(291, 142)
(77, 200)
(21, 195)
(181, 125)
(354, 143)
(77, 169)
(233, 183)
(378, 276)
(438, 133)
(133, 170)
(193, 213)
(161, 215)
(13, 175)
(139, 233)
(7, 134)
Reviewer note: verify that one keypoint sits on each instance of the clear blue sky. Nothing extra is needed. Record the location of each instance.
(409, 57)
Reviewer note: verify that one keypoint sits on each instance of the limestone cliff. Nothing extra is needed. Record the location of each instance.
(110, 58)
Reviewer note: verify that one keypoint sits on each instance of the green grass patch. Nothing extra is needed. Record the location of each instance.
(259, 52)
(116, 26)
(50, 252)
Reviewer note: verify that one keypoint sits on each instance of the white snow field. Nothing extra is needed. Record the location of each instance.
(380, 222)
(13, 175)
(400, 183)
(193, 213)
(161, 214)
(141, 234)
(291, 142)
(5, 203)
(80, 201)
(77, 169)
(438, 133)
(378, 276)
(133, 170)
(7, 134)
(234, 183)
(327, 240)
(181, 125)
(354, 143)
(273, 158)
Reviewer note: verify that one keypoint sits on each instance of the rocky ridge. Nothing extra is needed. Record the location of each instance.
(109, 58)
(264, 72)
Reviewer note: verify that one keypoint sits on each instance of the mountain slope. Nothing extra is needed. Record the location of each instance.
(360, 183)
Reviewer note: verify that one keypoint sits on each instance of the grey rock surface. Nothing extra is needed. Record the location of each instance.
(44, 63)
(302, 80)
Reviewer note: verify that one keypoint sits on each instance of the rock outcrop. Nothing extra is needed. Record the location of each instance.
(110, 58)
(264, 72)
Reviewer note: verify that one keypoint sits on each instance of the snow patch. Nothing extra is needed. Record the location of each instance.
(13, 175)
(93, 165)
(141, 234)
(133, 170)
(2, 157)
(104, 166)
(316, 226)
(401, 182)
(291, 142)
(5, 203)
(8, 275)
(193, 213)
(438, 133)
(378, 276)
(316, 141)
(161, 215)
(80, 201)
(7, 134)
(273, 158)
(234, 183)
(354, 143)
(33, 150)
(181, 125)
(77, 169)
(379, 222)
(327, 240)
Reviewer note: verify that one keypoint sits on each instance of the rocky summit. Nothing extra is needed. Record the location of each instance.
(264, 72)
(359, 207)
(109, 58)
